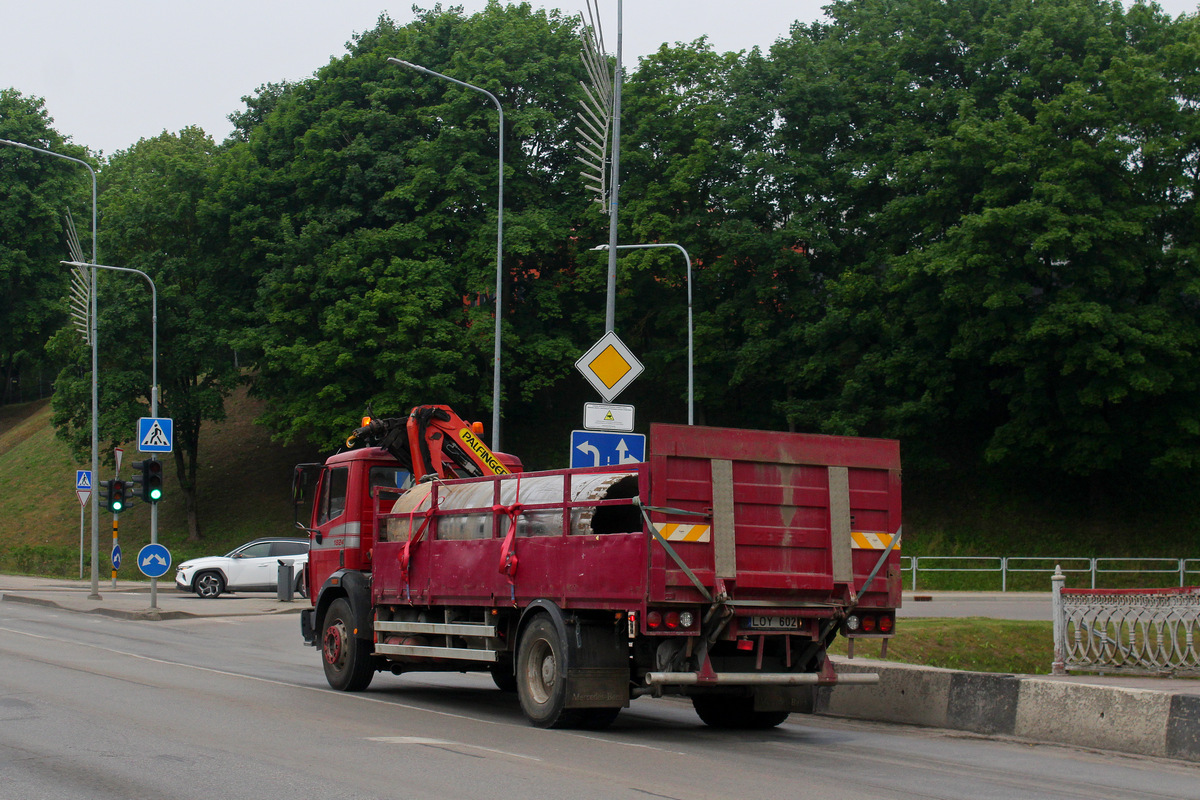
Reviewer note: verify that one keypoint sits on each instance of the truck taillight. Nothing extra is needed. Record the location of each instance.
(675, 621)
(862, 624)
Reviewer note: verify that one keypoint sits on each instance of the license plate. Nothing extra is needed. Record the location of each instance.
(772, 623)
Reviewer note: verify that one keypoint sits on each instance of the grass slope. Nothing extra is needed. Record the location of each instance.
(244, 478)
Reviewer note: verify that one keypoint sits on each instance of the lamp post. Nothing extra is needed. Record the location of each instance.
(499, 241)
(688, 264)
(153, 390)
(95, 504)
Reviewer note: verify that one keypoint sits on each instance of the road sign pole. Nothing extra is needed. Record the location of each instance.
(116, 551)
(81, 541)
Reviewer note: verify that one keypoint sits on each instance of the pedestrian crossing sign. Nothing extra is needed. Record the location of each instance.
(155, 434)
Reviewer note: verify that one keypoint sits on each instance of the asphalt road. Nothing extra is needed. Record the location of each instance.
(95, 707)
(992, 605)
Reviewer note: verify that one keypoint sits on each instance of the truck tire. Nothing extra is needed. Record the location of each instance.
(542, 682)
(541, 674)
(735, 712)
(347, 658)
(502, 675)
(208, 584)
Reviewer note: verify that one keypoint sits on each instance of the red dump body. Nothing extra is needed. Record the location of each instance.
(790, 522)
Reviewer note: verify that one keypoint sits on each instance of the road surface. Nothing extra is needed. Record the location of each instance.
(97, 708)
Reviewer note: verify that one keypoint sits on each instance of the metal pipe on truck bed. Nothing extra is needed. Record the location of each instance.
(759, 679)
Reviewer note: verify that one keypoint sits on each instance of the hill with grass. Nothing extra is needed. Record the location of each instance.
(244, 492)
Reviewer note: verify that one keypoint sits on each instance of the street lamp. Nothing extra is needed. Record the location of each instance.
(499, 241)
(688, 263)
(153, 390)
(95, 595)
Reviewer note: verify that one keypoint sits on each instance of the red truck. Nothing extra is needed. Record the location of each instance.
(720, 568)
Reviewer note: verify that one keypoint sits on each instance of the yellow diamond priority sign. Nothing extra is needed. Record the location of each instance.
(609, 366)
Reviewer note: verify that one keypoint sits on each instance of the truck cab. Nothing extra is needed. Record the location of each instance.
(337, 503)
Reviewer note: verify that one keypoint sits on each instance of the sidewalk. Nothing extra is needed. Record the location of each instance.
(132, 599)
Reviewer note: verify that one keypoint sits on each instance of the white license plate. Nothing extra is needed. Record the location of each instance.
(771, 623)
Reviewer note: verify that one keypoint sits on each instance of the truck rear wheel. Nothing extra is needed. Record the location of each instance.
(542, 682)
(347, 658)
(735, 712)
(541, 674)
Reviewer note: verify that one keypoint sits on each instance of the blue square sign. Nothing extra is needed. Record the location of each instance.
(603, 448)
(154, 434)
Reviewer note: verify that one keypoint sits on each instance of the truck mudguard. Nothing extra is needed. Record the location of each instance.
(355, 586)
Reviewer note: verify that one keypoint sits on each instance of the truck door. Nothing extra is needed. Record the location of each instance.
(333, 530)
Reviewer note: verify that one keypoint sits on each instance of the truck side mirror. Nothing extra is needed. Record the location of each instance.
(316, 532)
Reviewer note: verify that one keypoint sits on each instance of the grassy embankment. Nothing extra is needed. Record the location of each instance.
(244, 481)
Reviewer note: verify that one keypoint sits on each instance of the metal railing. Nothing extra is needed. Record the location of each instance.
(1142, 631)
(1006, 566)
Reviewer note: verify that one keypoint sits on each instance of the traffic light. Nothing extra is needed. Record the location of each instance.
(148, 474)
(138, 479)
(106, 495)
(116, 496)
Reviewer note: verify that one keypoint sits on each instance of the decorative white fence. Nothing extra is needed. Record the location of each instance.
(1143, 631)
(1096, 569)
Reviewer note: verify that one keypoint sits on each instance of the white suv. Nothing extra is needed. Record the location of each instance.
(252, 567)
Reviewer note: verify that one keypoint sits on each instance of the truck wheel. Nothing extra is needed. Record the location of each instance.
(733, 712)
(209, 584)
(503, 677)
(347, 658)
(541, 675)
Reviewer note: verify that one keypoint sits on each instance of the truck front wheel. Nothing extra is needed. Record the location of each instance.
(346, 657)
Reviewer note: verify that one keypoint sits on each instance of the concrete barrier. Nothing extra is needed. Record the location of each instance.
(1122, 719)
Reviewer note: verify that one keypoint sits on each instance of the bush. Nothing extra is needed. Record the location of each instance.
(40, 559)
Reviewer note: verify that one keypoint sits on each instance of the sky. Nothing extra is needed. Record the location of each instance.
(114, 71)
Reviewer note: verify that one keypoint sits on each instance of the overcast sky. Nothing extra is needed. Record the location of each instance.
(114, 71)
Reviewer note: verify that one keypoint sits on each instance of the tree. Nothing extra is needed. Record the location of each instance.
(1002, 199)
(37, 191)
(366, 199)
(160, 217)
(695, 157)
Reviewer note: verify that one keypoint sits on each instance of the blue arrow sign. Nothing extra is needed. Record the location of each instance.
(155, 434)
(116, 556)
(154, 560)
(602, 449)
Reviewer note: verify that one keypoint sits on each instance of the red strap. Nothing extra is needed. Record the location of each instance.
(406, 554)
(508, 555)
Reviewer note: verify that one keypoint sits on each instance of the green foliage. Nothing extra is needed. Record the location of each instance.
(1001, 196)
(36, 193)
(40, 559)
(368, 206)
(161, 217)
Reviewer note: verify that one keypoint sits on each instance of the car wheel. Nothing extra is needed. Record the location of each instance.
(302, 584)
(347, 658)
(209, 584)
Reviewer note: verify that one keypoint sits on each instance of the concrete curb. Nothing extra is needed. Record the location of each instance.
(1121, 719)
(153, 614)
